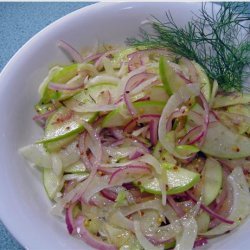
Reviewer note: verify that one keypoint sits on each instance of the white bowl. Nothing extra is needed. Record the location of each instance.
(24, 206)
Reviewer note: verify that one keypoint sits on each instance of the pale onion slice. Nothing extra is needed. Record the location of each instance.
(152, 161)
(189, 233)
(90, 239)
(241, 203)
(103, 78)
(152, 204)
(118, 219)
(90, 107)
(181, 96)
(128, 174)
(57, 165)
(96, 185)
(94, 135)
(146, 244)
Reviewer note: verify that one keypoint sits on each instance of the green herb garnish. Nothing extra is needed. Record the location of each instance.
(217, 40)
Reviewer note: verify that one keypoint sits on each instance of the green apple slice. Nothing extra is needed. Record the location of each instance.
(55, 146)
(178, 180)
(206, 88)
(64, 123)
(232, 99)
(60, 76)
(52, 182)
(121, 117)
(171, 81)
(91, 94)
(77, 167)
(212, 180)
(203, 220)
(223, 143)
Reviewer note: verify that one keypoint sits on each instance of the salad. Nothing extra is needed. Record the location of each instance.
(141, 151)
(142, 147)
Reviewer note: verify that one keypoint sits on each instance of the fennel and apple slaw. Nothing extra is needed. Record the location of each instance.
(141, 150)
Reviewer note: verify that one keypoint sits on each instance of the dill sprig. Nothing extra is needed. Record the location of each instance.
(218, 40)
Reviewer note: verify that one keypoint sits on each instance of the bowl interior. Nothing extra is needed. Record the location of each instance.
(24, 207)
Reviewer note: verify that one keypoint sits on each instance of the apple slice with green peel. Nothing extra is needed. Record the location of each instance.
(121, 117)
(91, 94)
(231, 99)
(77, 167)
(223, 143)
(54, 146)
(240, 109)
(121, 56)
(206, 88)
(169, 244)
(60, 76)
(64, 123)
(52, 183)
(212, 180)
(203, 220)
(178, 181)
(170, 79)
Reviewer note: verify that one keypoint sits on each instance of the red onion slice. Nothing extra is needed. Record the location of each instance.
(94, 135)
(83, 150)
(175, 206)
(43, 116)
(135, 58)
(109, 194)
(91, 58)
(133, 82)
(65, 87)
(98, 63)
(69, 218)
(177, 113)
(209, 211)
(201, 241)
(189, 136)
(206, 118)
(117, 133)
(88, 238)
(73, 53)
(129, 127)
(128, 174)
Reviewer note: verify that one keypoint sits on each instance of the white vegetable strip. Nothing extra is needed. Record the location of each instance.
(96, 185)
(96, 141)
(152, 204)
(163, 183)
(147, 245)
(118, 219)
(182, 95)
(188, 236)
(88, 238)
(56, 164)
(152, 161)
(91, 107)
(103, 78)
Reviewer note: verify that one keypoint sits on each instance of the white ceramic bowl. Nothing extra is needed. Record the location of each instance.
(24, 207)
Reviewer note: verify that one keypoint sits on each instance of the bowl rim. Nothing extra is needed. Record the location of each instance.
(21, 51)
